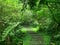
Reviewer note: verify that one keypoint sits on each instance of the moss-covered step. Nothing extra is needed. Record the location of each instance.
(33, 38)
(26, 29)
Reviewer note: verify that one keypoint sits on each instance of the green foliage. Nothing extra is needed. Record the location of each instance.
(7, 30)
(18, 14)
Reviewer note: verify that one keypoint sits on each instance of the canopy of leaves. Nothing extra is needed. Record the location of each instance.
(44, 14)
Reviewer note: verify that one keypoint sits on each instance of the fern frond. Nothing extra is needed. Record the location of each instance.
(7, 30)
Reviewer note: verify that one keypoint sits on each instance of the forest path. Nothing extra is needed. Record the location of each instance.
(35, 38)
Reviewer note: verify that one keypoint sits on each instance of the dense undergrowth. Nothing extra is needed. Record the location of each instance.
(17, 14)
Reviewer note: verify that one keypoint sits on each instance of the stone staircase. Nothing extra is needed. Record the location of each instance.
(36, 39)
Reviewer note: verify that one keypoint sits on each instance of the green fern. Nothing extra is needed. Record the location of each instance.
(7, 30)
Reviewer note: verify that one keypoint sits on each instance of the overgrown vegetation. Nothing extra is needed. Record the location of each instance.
(17, 14)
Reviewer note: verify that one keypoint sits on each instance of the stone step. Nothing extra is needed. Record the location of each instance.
(36, 39)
